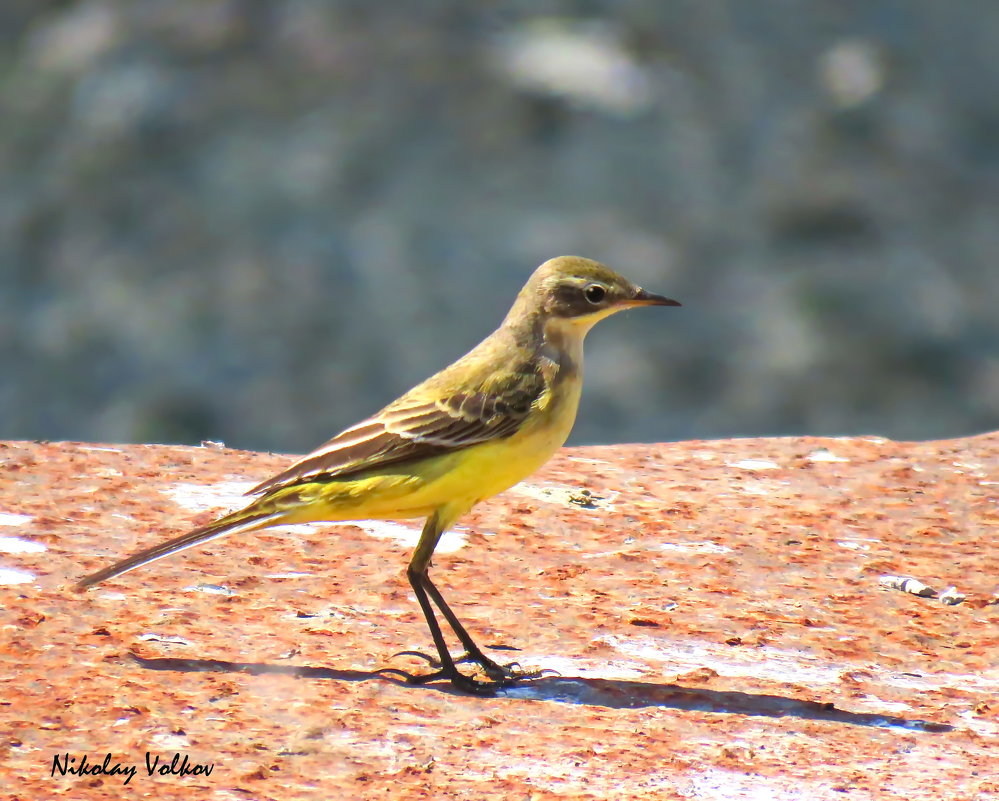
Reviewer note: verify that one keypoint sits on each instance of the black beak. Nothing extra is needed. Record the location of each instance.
(643, 298)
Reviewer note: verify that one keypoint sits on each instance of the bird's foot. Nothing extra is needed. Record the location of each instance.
(460, 681)
(495, 671)
(500, 675)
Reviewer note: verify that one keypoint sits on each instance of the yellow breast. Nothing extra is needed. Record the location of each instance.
(482, 471)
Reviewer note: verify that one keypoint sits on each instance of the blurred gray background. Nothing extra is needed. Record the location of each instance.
(259, 221)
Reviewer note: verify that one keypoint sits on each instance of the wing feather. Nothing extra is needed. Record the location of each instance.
(414, 428)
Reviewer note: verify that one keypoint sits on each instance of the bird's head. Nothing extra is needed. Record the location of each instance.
(570, 291)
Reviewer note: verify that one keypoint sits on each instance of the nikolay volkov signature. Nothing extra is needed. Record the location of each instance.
(179, 765)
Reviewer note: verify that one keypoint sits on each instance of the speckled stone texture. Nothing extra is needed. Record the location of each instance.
(712, 615)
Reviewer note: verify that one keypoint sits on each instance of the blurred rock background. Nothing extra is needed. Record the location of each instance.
(256, 221)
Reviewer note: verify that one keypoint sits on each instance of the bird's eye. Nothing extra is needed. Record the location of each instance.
(595, 293)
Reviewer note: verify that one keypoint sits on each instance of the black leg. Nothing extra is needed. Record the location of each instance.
(472, 652)
(428, 595)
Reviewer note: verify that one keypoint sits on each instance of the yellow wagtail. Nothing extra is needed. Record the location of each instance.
(471, 431)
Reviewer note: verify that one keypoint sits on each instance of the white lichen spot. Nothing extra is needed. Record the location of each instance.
(10, 576)
(853, 545)
(204, 497)
(755, 488)
(409, 536)
(951, 597)
(17, 545)
(210, 589)
(754, 464)
(913, 586)
(825, 455)
(170, 742)
(693, 547)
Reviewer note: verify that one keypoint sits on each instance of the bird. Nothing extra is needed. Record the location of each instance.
(467, 433)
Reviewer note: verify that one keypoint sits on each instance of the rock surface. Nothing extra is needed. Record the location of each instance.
(714, 611)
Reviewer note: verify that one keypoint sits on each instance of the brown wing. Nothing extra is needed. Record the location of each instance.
(415, 428)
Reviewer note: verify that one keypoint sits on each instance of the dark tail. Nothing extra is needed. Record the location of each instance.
(230, 524)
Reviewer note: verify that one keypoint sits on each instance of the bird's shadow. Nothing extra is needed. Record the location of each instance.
(609, 693)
